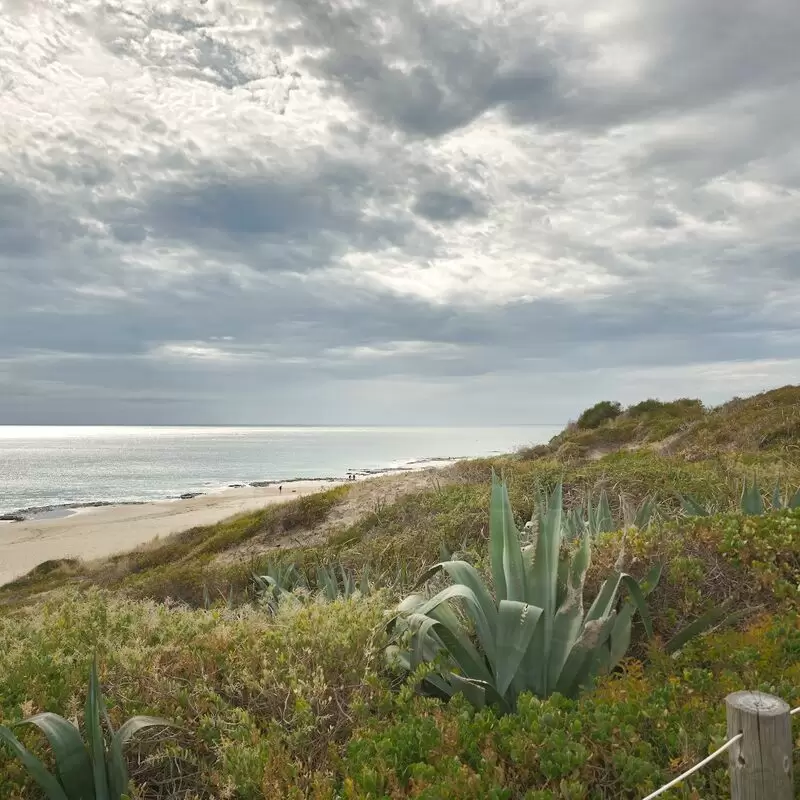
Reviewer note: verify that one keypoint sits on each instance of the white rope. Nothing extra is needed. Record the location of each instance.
(695, 768)
(707, 760)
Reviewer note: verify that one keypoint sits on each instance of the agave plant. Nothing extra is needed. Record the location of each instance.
(278, 582)
(533, 634)
(334, 584)
(92, 770)
(597, 519)
(751, 501)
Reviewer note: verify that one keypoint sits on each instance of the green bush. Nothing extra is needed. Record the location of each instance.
(599, 413)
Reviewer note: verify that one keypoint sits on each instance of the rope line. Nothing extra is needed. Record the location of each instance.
(707, 760)
(695, 768)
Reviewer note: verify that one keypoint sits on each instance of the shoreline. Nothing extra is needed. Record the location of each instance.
(97, 530)
(31, 513)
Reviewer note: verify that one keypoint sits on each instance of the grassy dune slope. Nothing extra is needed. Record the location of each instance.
(768, 423)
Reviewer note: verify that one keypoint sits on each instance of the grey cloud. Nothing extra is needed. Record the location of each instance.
(31, 225)
(322, 209)
(457, 69)
(444, 206)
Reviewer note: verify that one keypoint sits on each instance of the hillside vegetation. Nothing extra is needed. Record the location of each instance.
(286, 686)
(766, 423)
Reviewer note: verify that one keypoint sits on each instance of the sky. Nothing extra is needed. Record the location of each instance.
(467, 212)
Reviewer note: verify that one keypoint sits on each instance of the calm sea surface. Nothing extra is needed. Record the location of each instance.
(51, 466)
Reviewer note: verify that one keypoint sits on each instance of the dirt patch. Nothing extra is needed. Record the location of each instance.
(365, 497)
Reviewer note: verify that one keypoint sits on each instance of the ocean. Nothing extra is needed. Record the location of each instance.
(49, 467)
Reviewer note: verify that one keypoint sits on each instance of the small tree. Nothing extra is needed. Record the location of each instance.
(599, 413)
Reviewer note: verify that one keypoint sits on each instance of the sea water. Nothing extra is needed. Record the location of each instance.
(49, 467)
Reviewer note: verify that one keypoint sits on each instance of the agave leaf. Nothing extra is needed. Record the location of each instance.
(326, 581)
(562, 579)
(36, 769)
(497, 537)
(580, 664)
(486, 629)
(692, 507)
(118, 768)
(445, 687)
(516, 625)
(637, 596)
(544, 592)
(73, 765)
(605, 520)
(644, 514)
(513, 565)
(606, 598)
(94, 733)
(709, 620)
(752, 503)
(794, 502)
(463, 653)
(620, 638)
(474, 691)
(565, 632)
(777, 501)
(135, 724)
(422, 636)
(569, 617)
(462, 572)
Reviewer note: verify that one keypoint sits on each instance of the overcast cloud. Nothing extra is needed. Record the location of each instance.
(412, 211)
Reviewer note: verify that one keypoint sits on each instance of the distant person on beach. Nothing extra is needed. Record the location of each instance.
(280, 488)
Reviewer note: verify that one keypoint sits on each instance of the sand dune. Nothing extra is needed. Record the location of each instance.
(97, 532)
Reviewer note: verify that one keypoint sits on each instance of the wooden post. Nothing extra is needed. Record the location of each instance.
(761, 761)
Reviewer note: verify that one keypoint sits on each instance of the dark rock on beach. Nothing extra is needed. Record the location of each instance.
(12, 518)
(190, 495)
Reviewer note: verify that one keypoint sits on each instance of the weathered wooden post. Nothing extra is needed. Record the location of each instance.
(761, 761)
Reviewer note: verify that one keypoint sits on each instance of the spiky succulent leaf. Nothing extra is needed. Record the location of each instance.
(605, 520)
(777, 500)
(496, 536)
(94, 734)
(36, 769)
(516, 625)
(692, 507)
(462, 572)
(581, 664)
(713, 617)
(752, 502)
(73, 765)
(637, 597)
(645, 512)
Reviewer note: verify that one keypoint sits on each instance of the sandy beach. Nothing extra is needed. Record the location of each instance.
(90, 533)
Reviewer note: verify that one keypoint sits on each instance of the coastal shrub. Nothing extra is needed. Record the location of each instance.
(747, 562)
(638, 729)
(685, 408)
(601, 412)
(265, 703)
(298, 706)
